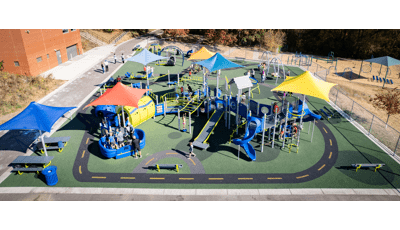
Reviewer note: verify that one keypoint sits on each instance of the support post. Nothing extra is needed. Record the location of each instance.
(351, 112)
(237, 112)
(336, 96)
(190, 123)
(369, 132)
(123, 116)
(168, 77)
(301, 120)
(229, 110)
(273, 137)
(238, 151)
(263, 132)
(44, 144)
(156, 99)
(387, 70)
(179, 120)
(284, 127)
(165, 106)
(312, 131)
(226, 111)
(397, 144)
(359, 74)
(178, 79)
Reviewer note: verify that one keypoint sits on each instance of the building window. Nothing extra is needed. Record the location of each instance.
(39, 59)
(48, 56)
(72, 30)
(65, 31)
(16, 63)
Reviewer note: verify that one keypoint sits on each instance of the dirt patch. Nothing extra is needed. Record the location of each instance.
(87, 45)
(17, 92)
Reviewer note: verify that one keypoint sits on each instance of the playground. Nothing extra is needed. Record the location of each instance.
(235, 131)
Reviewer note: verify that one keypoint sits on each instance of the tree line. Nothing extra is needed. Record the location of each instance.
(346, 43)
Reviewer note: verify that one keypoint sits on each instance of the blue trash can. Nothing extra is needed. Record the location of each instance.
(50, 173)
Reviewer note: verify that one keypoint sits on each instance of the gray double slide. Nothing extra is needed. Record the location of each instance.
(206, 131)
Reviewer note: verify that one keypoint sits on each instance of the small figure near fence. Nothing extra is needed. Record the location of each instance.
(184, 122)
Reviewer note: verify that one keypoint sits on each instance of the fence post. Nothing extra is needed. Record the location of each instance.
(394, 152)
(351, 112)
(336, 96)
(369, 132)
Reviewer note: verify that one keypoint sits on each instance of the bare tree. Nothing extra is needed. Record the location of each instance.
(388, 100)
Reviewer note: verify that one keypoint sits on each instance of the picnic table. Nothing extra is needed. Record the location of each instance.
(53, 143)
(30, 163)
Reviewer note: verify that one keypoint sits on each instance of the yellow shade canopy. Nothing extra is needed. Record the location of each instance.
(201, 54)
(306, 84)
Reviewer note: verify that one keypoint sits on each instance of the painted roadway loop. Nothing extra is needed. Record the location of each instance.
(82, 174)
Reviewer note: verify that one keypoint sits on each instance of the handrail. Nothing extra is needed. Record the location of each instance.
(191, 100)
(205, 141)
(234, 131)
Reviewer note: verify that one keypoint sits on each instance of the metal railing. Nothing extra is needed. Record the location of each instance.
(111, 40)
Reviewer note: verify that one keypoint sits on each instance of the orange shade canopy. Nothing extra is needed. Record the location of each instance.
(120, 94)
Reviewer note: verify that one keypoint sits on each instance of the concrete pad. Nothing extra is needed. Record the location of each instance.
(142, 191)
(183, 192)
(243, 192)
(370, 192)
(49, 190)
(16, 190)
(274, 192)
(337, 191)
(217, 192)
(306, 191)
(112, 191)
(84, 190)
(392, 192)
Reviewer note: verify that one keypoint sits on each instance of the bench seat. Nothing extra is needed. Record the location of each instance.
(368, 165)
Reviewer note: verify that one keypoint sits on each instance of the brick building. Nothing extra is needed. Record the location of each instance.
(34, 51)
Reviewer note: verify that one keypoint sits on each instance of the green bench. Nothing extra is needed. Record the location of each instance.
(167, 166)
(376, 166)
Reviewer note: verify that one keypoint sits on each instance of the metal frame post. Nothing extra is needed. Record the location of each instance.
(284, 127)
(394, 152)
(179, 120)
(369, 132)
(273, 137)
(336, 96)
(351, 112)
(263, 132)
(123, 116)
(237, 112)
(312, 131)
(44, 144)
(190, 123)
(238, 151)
(165, 106)
(301, 120)
(229, 111)
(226, 111)
(178, 79)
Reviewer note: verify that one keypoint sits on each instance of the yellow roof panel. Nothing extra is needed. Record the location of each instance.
(201, 54)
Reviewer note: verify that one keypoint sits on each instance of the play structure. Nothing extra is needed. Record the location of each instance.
(171, 52)
(155, 48)
(124, 151)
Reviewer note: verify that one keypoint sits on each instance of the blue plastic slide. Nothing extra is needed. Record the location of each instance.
(254, 126)
(306, 111)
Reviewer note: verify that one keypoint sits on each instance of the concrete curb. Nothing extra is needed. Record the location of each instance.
(201, 192)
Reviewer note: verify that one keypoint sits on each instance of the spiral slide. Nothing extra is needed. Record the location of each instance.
(253, 128)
